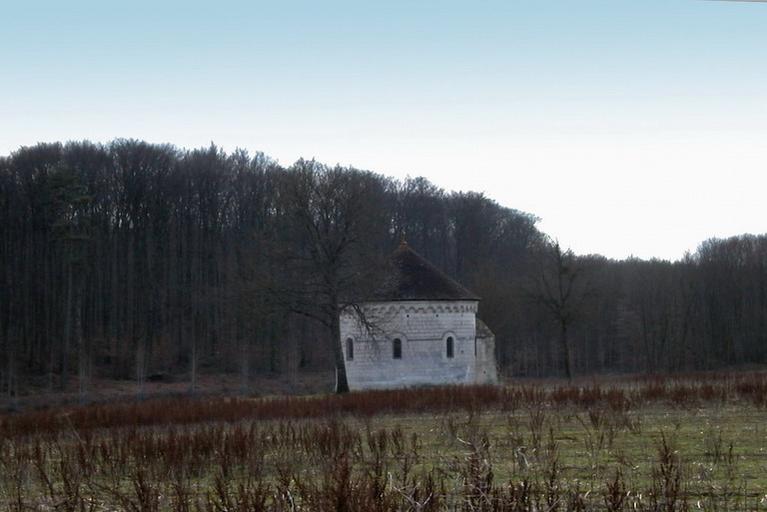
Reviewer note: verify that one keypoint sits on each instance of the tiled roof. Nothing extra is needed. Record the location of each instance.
(412, 277)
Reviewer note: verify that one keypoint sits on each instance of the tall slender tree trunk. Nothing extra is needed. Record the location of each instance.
(244, 350)
(193, 363)
(565, 342)
(10, 355)
(82, 352)
(140, 366)
(64, 355)
(114, 303)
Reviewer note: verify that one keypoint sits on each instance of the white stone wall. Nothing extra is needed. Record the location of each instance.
(486, 370)
(423, 327)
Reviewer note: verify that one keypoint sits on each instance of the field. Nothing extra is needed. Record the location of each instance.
(694, 442)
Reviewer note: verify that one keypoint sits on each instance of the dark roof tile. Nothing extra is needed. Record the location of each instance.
(411, 277)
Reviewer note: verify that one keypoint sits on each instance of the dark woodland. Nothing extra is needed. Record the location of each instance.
(132, 260)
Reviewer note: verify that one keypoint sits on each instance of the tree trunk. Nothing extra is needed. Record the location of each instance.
(10, 354)
(342, 383)
(82, 352)
(140, 368)
(193, 358)
(64, 355)
(563, 338)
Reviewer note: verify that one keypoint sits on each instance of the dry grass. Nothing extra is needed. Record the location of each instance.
(521, 447)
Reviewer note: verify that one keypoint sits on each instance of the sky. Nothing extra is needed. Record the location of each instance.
(629, 127)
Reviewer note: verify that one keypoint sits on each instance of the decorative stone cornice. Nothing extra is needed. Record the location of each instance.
(390, 309)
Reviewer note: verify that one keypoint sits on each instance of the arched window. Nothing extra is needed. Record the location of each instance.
(449, 347)
(396, 348)
(349, 349)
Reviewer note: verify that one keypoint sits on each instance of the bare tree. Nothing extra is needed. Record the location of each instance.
(330, 258)
(69, 201)
(138, 260)
(560, 287)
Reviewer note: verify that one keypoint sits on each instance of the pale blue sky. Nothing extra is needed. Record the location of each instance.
(629, 126)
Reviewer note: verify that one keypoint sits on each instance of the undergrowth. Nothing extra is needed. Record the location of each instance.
(477, 448)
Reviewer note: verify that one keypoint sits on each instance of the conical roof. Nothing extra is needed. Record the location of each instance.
(411, 277)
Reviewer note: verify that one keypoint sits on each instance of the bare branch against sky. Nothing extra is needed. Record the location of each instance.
(645, 120)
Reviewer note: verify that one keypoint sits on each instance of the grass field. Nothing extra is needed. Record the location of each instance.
(689, 443)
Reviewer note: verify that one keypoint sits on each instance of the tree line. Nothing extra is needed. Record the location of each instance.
(138, 261)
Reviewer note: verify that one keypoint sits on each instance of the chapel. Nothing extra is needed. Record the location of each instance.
(419, 328)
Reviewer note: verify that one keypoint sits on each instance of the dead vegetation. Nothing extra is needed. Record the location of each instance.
(472, 448)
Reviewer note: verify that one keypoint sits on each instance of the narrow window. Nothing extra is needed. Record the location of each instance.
(349, 349)
(396, 348)
(449, 347)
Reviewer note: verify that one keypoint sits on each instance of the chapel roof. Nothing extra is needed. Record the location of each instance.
(411, 277)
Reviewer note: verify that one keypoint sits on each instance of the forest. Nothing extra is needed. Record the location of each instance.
(131, 260)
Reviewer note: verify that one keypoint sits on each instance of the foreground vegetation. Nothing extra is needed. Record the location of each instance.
(633, 444)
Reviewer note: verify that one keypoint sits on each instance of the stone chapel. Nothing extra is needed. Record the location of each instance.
(419, 329)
